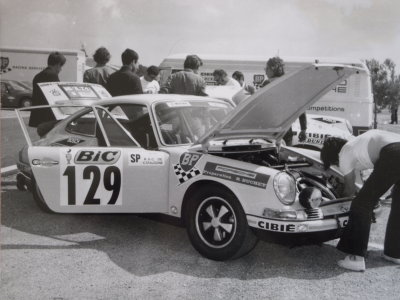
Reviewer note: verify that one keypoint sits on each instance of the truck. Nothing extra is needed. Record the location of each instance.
(22, 64)
(352, 99)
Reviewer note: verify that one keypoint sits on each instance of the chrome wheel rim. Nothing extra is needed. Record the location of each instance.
(216, 222)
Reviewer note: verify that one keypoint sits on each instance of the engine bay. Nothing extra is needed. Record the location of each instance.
(307, 172)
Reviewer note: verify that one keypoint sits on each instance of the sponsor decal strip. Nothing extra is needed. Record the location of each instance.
(90, 177)
(295, 226)
(236, 175)
(147, 159)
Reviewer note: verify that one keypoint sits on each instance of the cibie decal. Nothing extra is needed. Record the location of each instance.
(237, 175)
(185, 170)
(146, 159)
(102, 157)
(189, 160)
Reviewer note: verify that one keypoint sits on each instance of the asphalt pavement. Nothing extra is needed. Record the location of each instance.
(87, 256)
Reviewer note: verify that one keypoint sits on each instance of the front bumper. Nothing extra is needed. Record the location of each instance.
(333, 217)
(292, 226)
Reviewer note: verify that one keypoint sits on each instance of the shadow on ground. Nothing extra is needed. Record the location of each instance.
(145, 246)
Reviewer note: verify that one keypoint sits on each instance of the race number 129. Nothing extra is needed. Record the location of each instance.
(90, 182)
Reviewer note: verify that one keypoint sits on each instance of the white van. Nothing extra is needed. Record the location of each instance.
(352, 99)
(22, 64)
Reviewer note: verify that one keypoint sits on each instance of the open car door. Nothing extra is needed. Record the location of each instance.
(114, 175)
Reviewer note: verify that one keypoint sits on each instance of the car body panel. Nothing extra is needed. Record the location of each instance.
(320, 127)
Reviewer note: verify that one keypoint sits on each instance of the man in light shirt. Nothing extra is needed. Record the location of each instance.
(222, 78)
(379, 150)
(149, 81)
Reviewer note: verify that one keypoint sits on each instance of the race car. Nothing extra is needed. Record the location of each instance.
(221, 169)
(319, 128)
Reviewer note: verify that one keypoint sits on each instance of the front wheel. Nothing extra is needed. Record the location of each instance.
(217, 225)
(26, 102)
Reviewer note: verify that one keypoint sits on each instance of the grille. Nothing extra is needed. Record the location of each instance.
(314, 214)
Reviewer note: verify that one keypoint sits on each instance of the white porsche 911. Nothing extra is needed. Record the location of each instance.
(221, 169)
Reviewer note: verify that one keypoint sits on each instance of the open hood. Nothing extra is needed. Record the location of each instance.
(271, 110)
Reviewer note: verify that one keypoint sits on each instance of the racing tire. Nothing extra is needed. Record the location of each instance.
(25, 102)
(37, 196)
(217, 225)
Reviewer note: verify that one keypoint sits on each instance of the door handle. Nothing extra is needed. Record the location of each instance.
(44, 163)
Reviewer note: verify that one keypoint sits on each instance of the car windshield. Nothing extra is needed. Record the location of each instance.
(184, 122)
(18, 86)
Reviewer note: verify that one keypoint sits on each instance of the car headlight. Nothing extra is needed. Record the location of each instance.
(285, 188)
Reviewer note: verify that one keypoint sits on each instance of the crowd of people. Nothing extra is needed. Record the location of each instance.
(375, 149)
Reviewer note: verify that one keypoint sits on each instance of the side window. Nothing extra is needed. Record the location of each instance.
(137, 122)
(84, 124)
(116, 134)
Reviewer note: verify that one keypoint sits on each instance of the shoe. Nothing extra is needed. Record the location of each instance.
(391, 259)
(353, 263)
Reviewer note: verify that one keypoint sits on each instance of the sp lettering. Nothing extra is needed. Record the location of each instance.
(97, 157)
(189, 160)
(135, 158)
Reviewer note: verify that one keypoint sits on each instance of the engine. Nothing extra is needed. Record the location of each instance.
(308, 174)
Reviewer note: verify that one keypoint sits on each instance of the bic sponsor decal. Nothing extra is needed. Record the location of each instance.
(97, 157)
(237, 175)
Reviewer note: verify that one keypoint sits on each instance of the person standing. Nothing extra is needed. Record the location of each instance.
(275, 69)
(186, 82)
(55, 62)
(149, 81)
(239, 77)
(394, 106)
(222, 78)
(101, 72)
(379, 150)
(125, 81)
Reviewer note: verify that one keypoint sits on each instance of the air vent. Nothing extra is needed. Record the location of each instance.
(314, 214)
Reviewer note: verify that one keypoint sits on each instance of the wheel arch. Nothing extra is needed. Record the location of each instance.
(22, 98)
(197, 186)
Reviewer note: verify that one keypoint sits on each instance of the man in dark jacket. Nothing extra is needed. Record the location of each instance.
(275, 69)
(186, 82)
(124, 81)
(55, 63)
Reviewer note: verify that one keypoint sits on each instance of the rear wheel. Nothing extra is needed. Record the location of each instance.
(217, 225)
(25, 102)
(37, 196)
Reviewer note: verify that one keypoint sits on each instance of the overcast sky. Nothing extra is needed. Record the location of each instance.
(156, 28)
